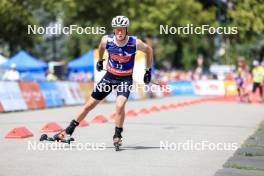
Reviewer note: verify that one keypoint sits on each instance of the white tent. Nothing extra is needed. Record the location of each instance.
(2, 59)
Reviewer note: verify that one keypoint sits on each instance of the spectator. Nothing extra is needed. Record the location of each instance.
(12, 74)
(258, 77)
(51, 76)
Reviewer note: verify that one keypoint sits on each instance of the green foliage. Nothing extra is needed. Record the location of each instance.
(146, 16)
(248, 16)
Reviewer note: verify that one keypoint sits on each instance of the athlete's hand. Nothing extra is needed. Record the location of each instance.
(99, 65)
(147, 76)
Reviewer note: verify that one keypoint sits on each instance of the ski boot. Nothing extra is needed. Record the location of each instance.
(117, 141)
(63, 137)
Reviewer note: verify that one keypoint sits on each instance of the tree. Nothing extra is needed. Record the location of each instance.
(15, 16)
(248, 16)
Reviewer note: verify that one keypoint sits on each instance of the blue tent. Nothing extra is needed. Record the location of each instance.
(25, 63)
(83, 63)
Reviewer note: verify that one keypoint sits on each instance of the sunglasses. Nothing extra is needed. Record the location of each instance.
(119, 30)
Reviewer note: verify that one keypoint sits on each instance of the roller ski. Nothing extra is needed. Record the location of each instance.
(117, 138)
(63, 136)
(60, 137)
(117, 142)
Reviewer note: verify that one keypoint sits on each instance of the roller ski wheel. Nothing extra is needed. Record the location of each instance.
(117, 141)
(45, 137)
(60, 137)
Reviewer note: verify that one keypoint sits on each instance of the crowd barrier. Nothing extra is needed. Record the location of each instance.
(181, 87)
(28, 95)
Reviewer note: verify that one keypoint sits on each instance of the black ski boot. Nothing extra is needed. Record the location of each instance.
(117, 138)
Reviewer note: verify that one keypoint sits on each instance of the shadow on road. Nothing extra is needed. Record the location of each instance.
(134, 148)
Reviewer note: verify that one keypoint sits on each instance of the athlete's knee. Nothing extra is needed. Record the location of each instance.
(90, 104)
(120, 107)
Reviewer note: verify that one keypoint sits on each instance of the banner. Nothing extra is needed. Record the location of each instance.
(32, 95)
(209, 87)
(181, 87)
(1, 107)
(140, 91)
(86, 90)
(6, 102)
(71, 93)
(51, 93)
(11, 97)
(230, 88)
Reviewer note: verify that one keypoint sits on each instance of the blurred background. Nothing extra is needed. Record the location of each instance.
(170, 51)
(176, 57)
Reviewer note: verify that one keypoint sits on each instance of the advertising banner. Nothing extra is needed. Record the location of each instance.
(230, 88)
(11, 96)
(32, 95)
(209, 87)
(71, 93)
(51, 93)
(181, 87)
(86, 90)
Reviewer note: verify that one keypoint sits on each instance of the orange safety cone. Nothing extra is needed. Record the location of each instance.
(143, 111)
(163, 107)
(19, 132)
(154, 109)
(51, 127)
(131, 113)
(83, 123)
(172, 106)
(99, 119)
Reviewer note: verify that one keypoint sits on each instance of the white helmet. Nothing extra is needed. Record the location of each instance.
(120, 21)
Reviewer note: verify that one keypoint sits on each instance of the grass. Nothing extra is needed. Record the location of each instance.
(247, 154)
(254, 146)
(235, 166)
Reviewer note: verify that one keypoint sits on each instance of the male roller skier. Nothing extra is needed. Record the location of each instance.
(122, 50)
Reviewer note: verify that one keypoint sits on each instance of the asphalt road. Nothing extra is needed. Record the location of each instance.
(162, 143)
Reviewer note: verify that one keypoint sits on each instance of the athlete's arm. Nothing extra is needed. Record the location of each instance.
(102, 47)
(147, 50)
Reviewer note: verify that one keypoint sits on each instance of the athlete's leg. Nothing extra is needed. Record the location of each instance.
(245, 94)
(123, 91)
(120, 110)
(255, 86)
(261, 91)
(98, 94)
(239, 93)
(91, 103)
(119, 119)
